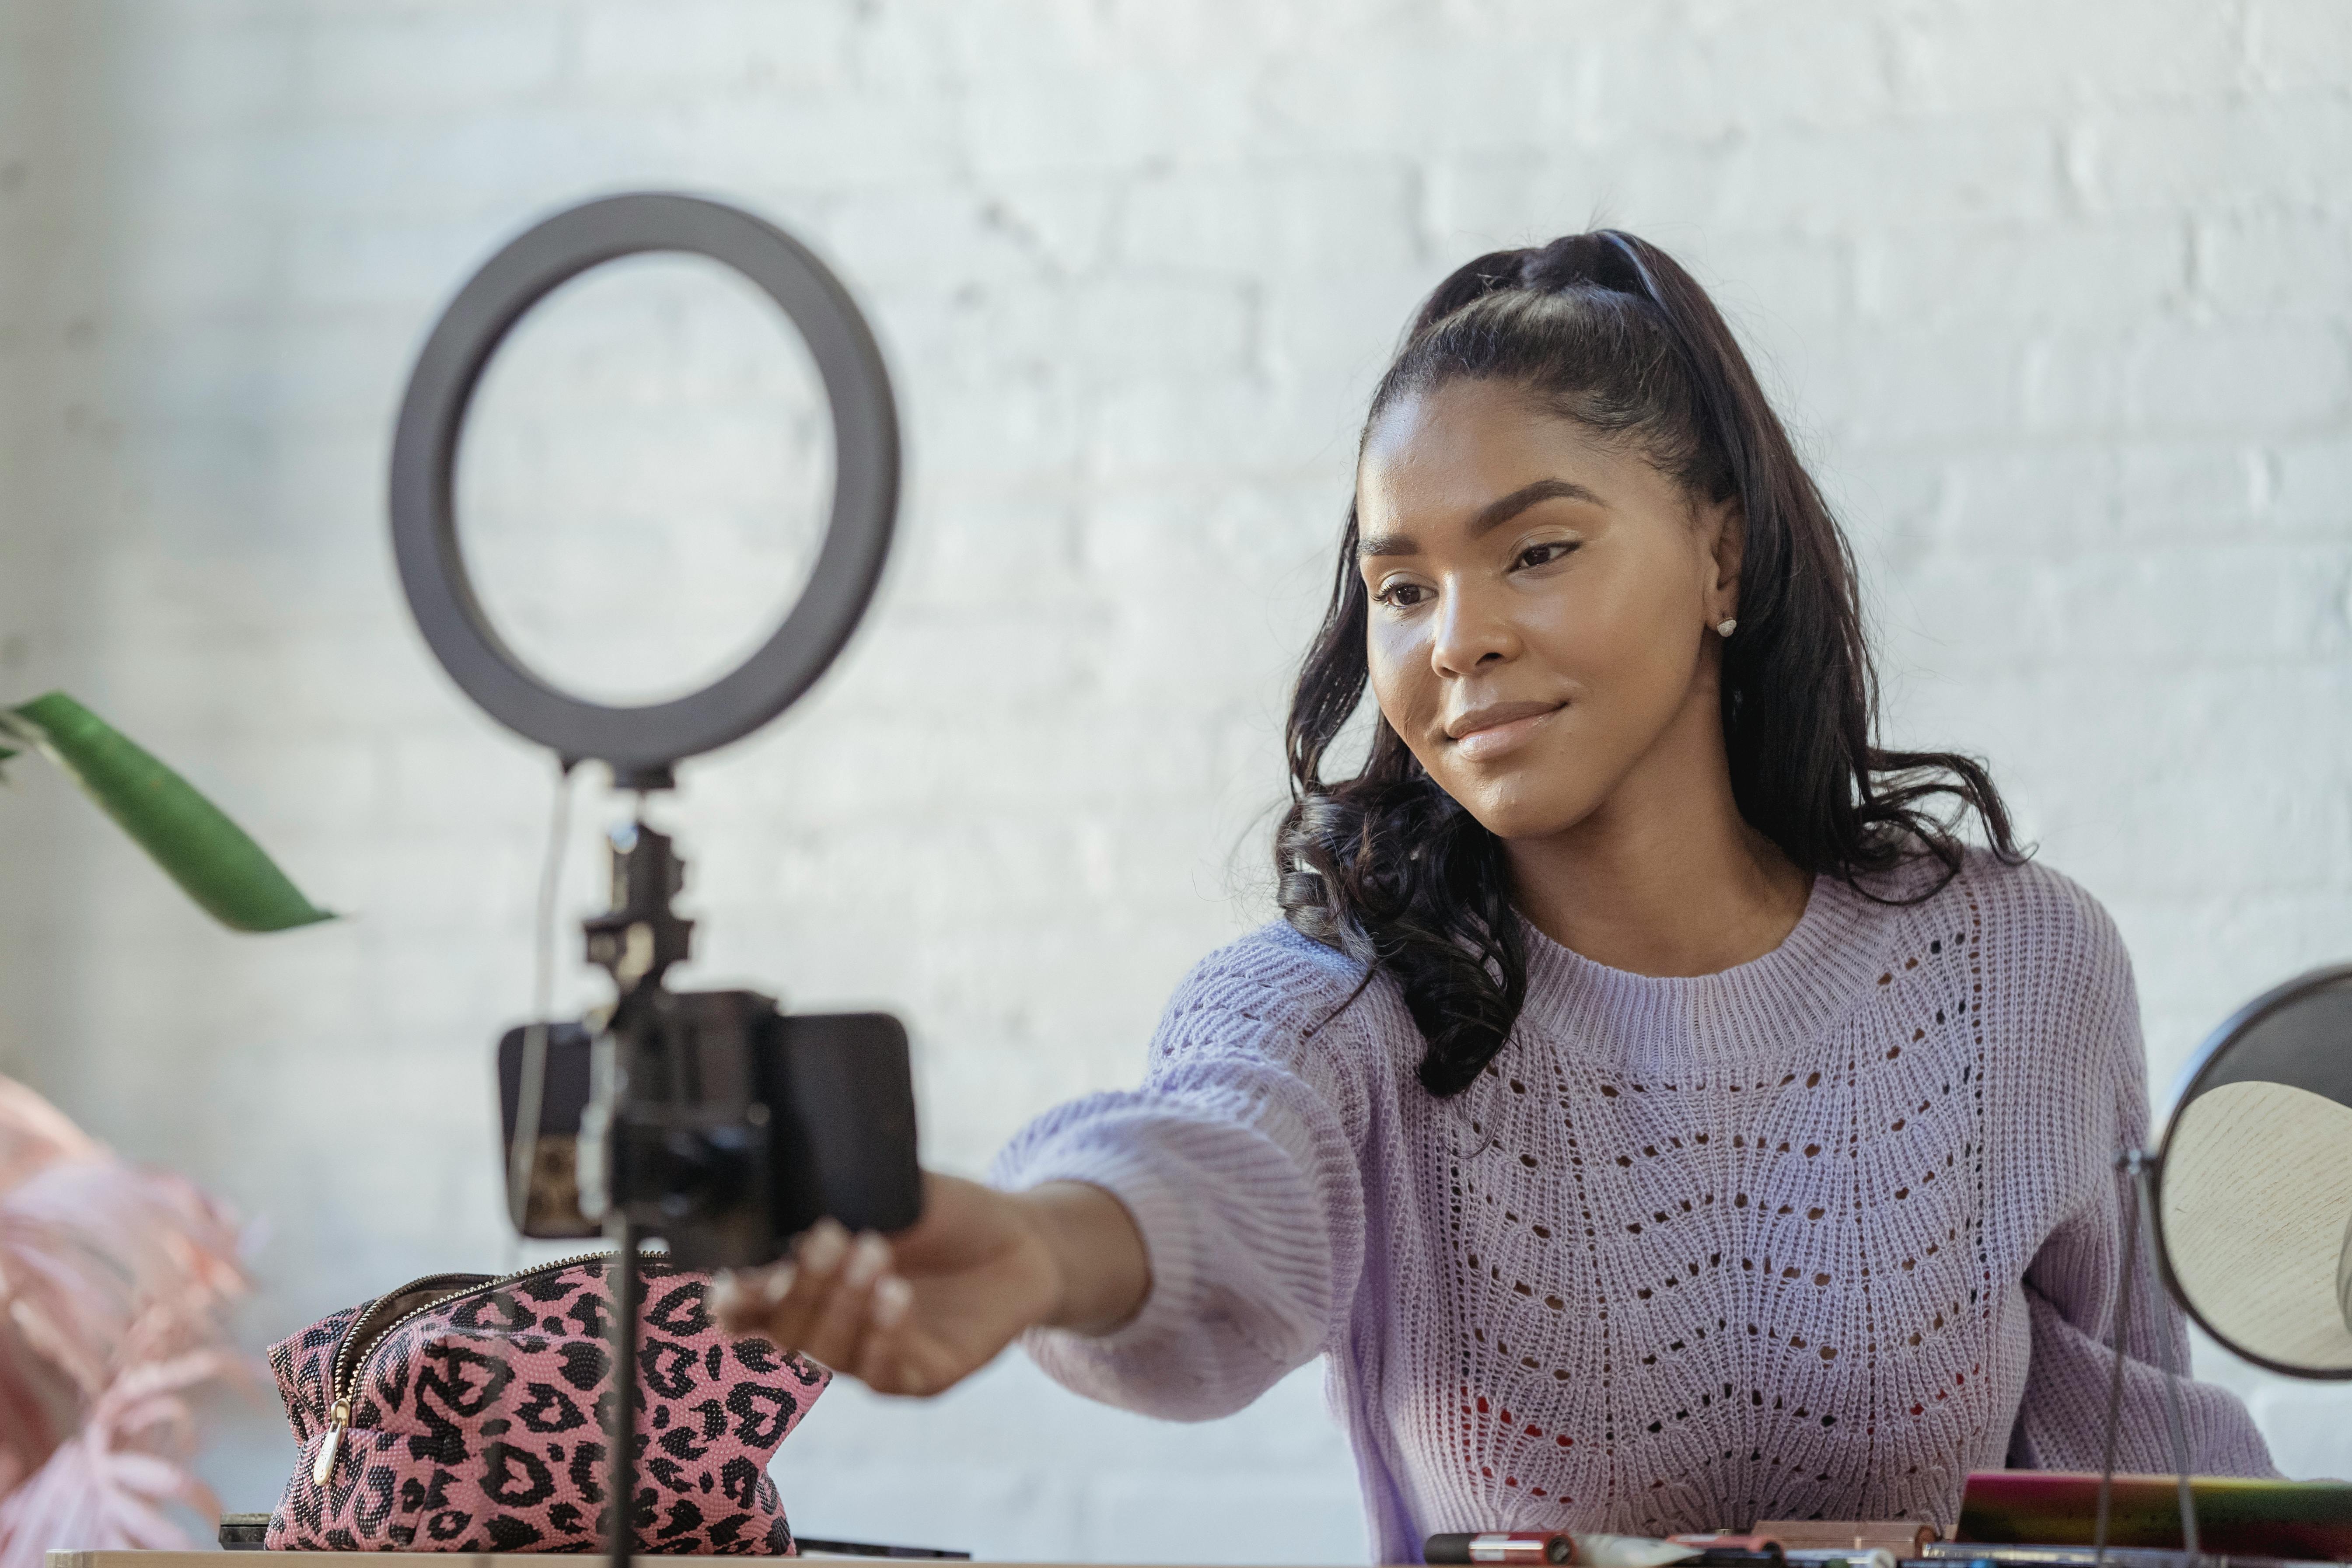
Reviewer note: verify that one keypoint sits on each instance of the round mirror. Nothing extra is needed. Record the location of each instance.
(2254, 1181)
(644, 479)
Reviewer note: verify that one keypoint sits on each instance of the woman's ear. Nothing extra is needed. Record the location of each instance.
(1723, 530)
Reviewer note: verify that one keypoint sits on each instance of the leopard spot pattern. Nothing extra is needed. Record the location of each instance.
(479, 1424)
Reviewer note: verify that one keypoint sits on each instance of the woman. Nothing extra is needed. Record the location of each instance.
(1659, 1116)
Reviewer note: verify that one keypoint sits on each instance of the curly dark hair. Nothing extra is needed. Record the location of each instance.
(1607, 330)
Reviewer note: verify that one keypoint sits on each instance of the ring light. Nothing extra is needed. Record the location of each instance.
(640, 744)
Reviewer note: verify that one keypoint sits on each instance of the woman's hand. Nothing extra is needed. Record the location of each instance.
(927, 1307)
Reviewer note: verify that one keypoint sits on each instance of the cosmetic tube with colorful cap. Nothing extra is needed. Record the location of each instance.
(1532, 1546)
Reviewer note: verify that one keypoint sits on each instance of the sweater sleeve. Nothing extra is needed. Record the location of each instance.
(1237, 1159)
(2073, 1288)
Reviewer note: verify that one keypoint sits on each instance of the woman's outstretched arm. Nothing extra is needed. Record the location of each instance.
(924, 1308)
(1175, 1249)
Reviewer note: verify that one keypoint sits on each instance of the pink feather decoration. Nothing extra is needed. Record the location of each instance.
(110, 1282)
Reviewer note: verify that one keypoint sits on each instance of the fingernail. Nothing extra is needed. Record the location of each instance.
(892, 1300)
(778, 1283)
(726, 1296)
(821, 1252)
(866, 1261)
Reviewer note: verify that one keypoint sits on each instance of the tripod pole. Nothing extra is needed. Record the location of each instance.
(621, 1468)
(2174, 1418)
(2139, 1229)
(2128, 1161)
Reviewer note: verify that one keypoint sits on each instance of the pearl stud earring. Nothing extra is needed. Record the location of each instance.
(1725, 627)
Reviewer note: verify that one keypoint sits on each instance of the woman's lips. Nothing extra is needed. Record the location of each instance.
(1494, 739)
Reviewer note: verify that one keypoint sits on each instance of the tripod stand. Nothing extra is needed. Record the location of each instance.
(2139, 1228)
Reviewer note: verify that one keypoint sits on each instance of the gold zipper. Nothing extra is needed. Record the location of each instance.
(343, 1380)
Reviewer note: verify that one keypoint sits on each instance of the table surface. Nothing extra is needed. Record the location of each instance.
(212, 1559)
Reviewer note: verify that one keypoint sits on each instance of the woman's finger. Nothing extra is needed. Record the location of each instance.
(819, 1259)
(782, 1302)
(743, 1300)
(886, 1326)
(897, 1357)
(840, 1324)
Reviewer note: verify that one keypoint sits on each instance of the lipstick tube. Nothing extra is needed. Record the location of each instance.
(1527, 1546)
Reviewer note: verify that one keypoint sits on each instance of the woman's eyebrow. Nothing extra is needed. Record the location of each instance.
(1491, 517)
(1501, 512)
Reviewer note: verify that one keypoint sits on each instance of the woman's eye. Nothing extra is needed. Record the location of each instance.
(1544, 554)
(1402, 595)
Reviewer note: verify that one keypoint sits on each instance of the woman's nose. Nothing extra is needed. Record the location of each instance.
(1473, 629)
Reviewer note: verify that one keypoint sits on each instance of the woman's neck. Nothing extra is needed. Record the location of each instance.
(1665, 877)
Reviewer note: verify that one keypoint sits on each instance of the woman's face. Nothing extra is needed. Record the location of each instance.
(1542, 603)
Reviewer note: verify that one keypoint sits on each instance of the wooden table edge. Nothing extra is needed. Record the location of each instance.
(76, 1558)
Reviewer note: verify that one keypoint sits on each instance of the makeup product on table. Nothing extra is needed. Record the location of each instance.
(810, 1545)
(1724, 1549)
(1965, 1554)
(1599, 1551)
(243, 1531)
(1804, 1537)
(1558, 1546)
(1841, 1557)
(1533, 1546)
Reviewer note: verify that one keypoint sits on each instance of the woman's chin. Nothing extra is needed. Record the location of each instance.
(1516, 813)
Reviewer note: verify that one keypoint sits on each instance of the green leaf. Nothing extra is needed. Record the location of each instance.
(199, 847)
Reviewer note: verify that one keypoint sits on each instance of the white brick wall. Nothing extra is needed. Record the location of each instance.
(2059, 297)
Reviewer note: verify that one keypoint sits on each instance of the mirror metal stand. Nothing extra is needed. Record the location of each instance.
(2139, 1227)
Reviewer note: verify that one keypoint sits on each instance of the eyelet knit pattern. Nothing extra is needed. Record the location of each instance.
(1813, 1236)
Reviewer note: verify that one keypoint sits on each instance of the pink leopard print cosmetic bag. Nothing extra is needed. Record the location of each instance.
(464, 1413)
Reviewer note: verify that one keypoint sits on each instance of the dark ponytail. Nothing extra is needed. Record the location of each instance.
(1607, 330)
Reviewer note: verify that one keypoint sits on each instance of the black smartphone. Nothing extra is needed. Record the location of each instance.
(766, 1123)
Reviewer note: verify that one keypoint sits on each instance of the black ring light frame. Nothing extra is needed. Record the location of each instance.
(2208, 1060)
(640, 744)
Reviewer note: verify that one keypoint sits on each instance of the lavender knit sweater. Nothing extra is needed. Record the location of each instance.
(1813, 1236)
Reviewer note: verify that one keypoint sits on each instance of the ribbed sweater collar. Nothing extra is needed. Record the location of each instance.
(1826, 964)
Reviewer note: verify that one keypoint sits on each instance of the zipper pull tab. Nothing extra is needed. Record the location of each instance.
(337, 1419)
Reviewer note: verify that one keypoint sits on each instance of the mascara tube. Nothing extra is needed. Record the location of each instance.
(1529, 1546)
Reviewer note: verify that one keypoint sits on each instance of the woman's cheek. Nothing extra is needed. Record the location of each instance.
(1402, 683)
(1568, 638)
